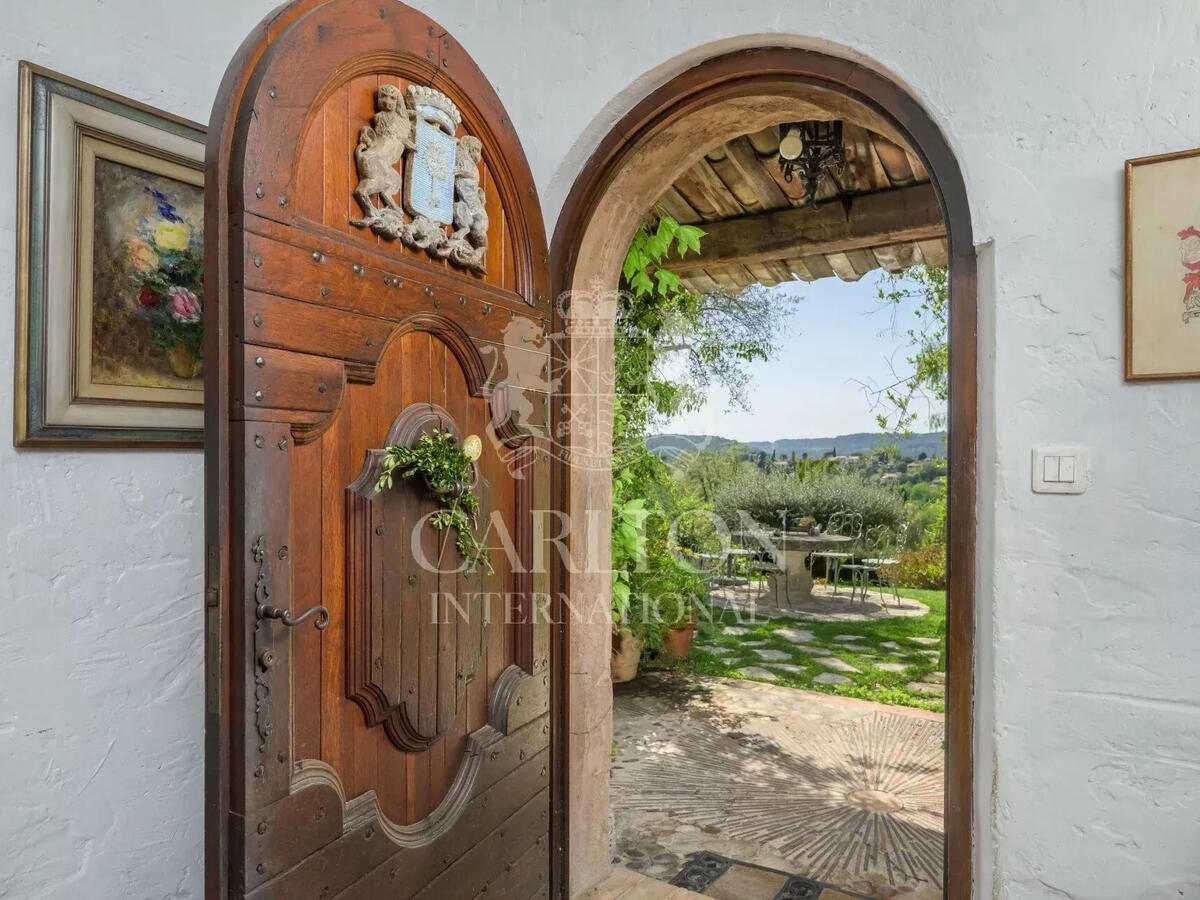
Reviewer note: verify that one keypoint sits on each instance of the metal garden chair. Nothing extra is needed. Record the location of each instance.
(847, 524)
(883, 546)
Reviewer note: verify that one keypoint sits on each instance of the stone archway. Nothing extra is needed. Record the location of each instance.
(633, 164)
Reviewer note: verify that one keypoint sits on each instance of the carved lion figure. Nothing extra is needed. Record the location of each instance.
(381, 146)
(470, 240)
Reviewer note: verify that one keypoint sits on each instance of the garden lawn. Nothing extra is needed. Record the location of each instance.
(881, 658)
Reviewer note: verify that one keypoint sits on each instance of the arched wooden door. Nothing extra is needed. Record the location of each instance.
(376, 270)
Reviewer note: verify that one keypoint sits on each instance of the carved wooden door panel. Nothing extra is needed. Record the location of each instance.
(378, 718)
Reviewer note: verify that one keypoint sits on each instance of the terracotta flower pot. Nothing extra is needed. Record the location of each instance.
(678, 641)
(626, 652)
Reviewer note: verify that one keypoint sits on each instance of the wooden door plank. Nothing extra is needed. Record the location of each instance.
(487, 859)
(419, 370)
(311, 168)
(477, 684)
(444, 629)
(460, 586)
(333, 591)
(527, 872)
(360, 414)
(307, 643)
(357, 866)
(337, 202)
(392, 764)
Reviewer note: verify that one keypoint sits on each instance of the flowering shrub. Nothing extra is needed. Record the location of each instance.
(924, 569)
(166, 263)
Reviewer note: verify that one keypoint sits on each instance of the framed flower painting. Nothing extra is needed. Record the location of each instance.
(1162, 267)
(110, 282)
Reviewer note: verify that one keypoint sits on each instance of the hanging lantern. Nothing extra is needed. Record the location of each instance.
(811, 149)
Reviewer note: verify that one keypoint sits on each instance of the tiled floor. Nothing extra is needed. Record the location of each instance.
(625, 884)
(840, 790)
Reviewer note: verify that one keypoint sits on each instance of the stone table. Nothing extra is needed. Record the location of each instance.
(795, 584)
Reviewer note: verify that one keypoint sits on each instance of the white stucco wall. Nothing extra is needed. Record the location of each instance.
(1089, 785)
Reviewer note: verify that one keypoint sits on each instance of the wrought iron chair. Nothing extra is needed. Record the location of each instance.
(883, 546)
(846, 524)
(765, 564)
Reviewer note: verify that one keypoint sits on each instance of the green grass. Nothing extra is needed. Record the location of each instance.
(870, 683)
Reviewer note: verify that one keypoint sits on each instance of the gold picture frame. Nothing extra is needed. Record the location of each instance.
(1162, 267)
(109, 263)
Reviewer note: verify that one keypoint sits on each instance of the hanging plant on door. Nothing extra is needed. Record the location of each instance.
(449, 476)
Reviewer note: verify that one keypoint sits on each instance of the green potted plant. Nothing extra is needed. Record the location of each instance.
(678, 618)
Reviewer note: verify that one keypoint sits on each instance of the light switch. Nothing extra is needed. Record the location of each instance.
(1050, 467)
(1066, 468)
(1059, 470)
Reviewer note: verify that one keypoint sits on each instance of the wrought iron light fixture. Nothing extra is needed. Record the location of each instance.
(811, 149)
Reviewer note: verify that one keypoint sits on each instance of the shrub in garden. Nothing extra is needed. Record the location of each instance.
(923, 569)
(762, 495)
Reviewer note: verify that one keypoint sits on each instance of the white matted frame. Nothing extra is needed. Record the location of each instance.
(65, 126)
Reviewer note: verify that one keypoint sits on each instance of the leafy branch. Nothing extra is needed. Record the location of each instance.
(448, 475)
(927, 376)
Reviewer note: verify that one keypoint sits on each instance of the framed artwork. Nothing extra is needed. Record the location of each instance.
(110, 263)
(1162, 267)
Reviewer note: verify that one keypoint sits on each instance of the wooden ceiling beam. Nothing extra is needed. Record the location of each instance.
(887, 217)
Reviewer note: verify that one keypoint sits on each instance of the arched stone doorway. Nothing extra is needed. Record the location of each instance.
(632, 165)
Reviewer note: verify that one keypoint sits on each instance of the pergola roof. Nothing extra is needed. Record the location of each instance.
(883, 212)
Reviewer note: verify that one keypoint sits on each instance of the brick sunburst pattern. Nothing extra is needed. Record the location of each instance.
(853, 797)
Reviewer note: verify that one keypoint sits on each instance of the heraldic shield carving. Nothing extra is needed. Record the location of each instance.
(411, 606)
(417, 135)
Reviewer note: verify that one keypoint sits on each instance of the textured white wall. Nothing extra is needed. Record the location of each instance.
(1089, 719)
(101, 642)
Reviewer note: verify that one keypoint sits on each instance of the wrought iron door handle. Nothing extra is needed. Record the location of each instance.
(266, 611)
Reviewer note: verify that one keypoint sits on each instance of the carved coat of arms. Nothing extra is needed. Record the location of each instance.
(447, 212)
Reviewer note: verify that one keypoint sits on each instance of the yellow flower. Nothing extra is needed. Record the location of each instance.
(172, 235)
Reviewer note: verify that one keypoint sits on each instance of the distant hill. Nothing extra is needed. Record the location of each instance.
(933, 443)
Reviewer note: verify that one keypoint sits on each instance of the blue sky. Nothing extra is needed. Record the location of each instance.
(838, 335)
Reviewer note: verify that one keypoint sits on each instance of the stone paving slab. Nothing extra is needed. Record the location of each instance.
(773, 654)
(830, 678)
(891, 667)
(788, 667)
(795, 635)
(926, 641)
(926, 687)
(840, 665)
(758, 672)
(815, 651)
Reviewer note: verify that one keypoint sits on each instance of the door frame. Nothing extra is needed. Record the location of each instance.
(736, 75)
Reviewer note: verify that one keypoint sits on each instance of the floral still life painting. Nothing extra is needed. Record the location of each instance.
(148, 279)
(110, 269)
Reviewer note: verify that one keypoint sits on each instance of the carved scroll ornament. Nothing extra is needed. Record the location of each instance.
(411, 146)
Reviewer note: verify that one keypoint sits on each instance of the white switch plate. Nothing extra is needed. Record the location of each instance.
(1059, 470)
